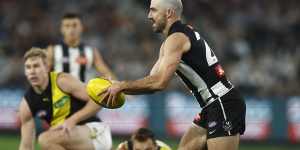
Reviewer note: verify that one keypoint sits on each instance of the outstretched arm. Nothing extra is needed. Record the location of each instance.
(172, 51)
(71, 85)
(90, 109)
(77, 89)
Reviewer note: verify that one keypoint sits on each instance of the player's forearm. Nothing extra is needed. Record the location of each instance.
(26, 147)
(27, 138)
(89, 110)
(26, 144)
(146, 85)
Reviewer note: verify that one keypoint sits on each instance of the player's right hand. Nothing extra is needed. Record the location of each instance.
(66, 127)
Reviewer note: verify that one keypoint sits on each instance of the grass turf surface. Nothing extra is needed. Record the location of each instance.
(11, 142)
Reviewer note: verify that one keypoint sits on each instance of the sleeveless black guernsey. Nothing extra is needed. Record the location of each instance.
(41, 105)
(199, 68)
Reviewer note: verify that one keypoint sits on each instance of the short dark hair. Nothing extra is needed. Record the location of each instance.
(143, 134)
(71, 15)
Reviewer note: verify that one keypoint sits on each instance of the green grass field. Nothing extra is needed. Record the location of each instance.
(11, 142)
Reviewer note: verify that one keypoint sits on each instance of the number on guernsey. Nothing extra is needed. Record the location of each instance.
(210, 56)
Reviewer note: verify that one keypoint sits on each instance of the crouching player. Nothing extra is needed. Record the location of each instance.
(59, 99)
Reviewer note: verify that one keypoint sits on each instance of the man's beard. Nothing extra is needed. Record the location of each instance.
(161, 25)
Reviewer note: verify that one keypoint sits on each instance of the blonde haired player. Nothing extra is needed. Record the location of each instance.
(59, 98)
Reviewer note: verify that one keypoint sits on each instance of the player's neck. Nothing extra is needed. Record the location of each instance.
(40, 88)
(168, 26)
(72, 43)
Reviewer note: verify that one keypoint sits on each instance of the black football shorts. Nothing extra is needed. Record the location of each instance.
(224, 117)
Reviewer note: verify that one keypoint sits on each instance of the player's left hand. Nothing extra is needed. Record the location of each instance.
(112, 92)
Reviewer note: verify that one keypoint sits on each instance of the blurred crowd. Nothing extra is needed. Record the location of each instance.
(257, 41)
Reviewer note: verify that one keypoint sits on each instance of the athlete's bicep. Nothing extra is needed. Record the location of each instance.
(167, 67)
(72, 86)
(174, 47)
(155, 68)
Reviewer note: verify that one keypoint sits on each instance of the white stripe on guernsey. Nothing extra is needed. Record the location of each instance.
(58, 58)
(224, 114)
(197, 35)
(89, 55)
(74, 65)
(195, 79)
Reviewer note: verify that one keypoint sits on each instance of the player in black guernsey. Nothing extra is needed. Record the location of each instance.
(185, 53)
(58, 98)
(72, 56)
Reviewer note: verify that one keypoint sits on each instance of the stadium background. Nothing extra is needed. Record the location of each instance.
(257, 42)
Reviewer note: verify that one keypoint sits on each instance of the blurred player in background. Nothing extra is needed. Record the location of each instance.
(187, 54)
(73, 56)
(59, 99)
(143, 139)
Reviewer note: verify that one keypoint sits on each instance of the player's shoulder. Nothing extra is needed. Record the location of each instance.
(177, 36)
(62, 81)
(67, 82)
(178, 41)
(29, 92)
(187, 29)
(28, 103)
(62, 77)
